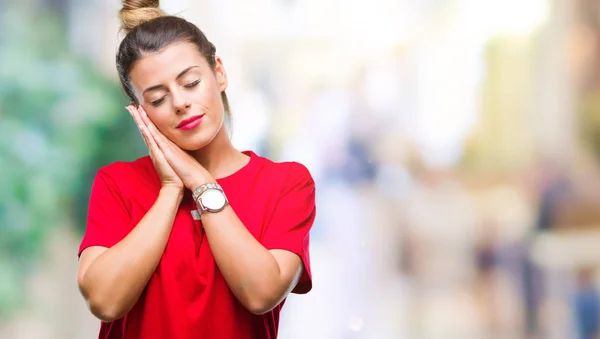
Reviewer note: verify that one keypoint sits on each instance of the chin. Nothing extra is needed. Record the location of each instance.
(194, 143)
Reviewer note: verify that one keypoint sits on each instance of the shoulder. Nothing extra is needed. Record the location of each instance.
(126, 171)
(287, 176)
(287, 171)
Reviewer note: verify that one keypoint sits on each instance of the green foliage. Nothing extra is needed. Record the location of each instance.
(60, 120)
(589, 122)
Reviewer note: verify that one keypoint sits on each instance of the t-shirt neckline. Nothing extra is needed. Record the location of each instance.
(233, 176)
(253, 159)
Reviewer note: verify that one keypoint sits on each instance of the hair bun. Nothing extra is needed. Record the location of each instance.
(136, 12)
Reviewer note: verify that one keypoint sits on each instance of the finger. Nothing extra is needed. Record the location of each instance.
(152, 145)
(141, 128)
(156, 132)
(146, 136)
(144, 117)
(153, 131)
(136, 116)
(171, 152)
(158, 138)
(135, 113)
(155, 151)
(166, 146)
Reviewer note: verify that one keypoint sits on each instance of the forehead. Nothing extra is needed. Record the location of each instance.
(165, 65)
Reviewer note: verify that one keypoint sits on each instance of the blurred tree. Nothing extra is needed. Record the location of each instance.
(589, 121)
(60, 120)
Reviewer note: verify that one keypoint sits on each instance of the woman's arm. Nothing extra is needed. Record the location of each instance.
(112, 280)
(259, 278)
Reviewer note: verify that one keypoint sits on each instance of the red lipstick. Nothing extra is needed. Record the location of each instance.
(190, 123)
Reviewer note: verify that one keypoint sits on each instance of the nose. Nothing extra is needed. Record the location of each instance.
(181, 102)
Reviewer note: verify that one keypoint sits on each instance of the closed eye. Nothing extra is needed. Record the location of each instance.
(192, 84)
(157, 102)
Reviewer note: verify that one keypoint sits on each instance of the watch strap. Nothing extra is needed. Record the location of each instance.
(203, 188)
(197, 195)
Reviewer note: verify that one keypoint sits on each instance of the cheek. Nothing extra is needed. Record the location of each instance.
(209, 92)
(160, 118)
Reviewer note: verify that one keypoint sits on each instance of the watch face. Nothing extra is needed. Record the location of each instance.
(213, 199)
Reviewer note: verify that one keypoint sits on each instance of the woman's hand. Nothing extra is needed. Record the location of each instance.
(168, 177)
(192, 174)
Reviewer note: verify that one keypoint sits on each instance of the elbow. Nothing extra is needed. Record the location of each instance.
(104, 308)
(258, 308)
(259, 305)
(259, 298)
(106, 312)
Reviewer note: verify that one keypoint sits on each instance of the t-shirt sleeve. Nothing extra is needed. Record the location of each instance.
(292, 220)
(108, 217)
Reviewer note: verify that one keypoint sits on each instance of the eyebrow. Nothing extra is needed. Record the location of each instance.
(152, 88)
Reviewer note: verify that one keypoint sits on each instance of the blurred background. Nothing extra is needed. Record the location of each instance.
(455, 145)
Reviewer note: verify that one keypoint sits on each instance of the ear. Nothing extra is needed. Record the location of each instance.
(220, 74)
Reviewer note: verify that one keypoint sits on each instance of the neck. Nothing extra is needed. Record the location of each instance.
(219, 157)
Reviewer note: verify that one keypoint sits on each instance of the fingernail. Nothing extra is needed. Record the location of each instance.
(143, 111)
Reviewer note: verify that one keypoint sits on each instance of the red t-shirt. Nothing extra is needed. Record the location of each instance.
(187, 297)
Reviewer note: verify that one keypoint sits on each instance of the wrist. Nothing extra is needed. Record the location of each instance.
(171, 190)
(210, 198)
(199, 181)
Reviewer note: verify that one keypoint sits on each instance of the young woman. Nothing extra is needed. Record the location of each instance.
(196, 240)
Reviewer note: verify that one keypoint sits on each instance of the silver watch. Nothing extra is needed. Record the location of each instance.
(210, 198)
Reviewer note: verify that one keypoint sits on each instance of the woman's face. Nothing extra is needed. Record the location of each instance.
(181, 94)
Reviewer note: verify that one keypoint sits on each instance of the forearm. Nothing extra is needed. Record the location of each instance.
(251, 271)
(114, 281)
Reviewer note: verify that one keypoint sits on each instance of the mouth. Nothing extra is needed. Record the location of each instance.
(190, 123)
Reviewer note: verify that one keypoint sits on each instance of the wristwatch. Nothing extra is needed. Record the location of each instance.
(210, 198)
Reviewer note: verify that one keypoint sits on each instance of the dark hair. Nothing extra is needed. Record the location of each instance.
(149, 31)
